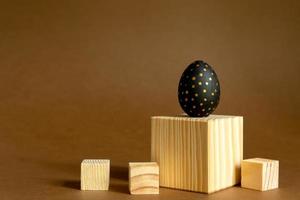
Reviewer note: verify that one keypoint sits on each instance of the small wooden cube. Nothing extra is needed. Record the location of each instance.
(260, 174)
(95, 174)
(143, 178)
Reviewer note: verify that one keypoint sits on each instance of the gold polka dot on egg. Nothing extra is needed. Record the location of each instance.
(194, 97)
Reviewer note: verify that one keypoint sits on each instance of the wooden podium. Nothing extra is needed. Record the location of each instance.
(198, 154)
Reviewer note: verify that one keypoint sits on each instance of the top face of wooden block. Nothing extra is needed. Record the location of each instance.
(95, 161)
(204, 119)
(140, 164)
(261, 161)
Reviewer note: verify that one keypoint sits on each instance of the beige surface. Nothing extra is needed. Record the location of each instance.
(143, 178)
(198, 154)
(94, 174)
(80, 79)
(260, 174)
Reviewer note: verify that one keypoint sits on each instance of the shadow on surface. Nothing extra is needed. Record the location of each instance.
(72, 184)
(119, 187)
(118, 180)
(119, 172)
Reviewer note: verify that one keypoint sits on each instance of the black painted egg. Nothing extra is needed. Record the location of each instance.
(199, 90)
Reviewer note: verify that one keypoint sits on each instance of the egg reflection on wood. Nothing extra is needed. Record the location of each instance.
(199, 90)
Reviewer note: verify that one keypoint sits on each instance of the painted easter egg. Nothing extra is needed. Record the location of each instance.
(199, 89)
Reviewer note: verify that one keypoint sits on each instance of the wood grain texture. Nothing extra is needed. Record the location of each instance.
(95, 174)
(260, 174)
(143, 178)
(197, 154)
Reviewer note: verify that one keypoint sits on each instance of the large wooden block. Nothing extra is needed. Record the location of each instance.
(95, 174)
(143, 178)
(197, 154)
(260, 174)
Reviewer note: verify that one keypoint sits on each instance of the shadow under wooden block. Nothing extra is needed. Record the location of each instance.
(119, 172)
(95, 174)
(260, 174)
(143, 178)
(197, 154)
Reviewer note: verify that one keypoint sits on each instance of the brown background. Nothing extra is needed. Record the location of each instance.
(80, 79)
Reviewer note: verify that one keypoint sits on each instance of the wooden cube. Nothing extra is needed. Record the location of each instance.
(143, 178)
(197, 154)
(260, 174)
(95, 174)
